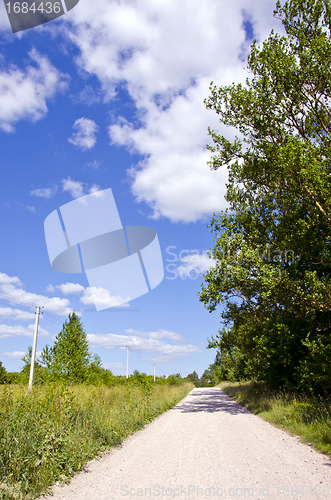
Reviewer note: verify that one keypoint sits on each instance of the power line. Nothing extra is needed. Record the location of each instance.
(13, 300)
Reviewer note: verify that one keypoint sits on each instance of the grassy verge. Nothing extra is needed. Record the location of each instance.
(307, 417)
(49, 435)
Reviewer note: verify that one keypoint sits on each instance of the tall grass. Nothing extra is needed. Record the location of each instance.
(305, 416)
(48, 435)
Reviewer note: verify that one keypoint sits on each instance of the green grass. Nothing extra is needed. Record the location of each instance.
(49, 435)
(307, 417)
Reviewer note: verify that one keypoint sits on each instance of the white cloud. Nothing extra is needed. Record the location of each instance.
(171, 353)
(30, 209)
(14, 355)
(5, 280)
(114, 366)
(174, 179)
(16, 314)
(23, 94)
(84, 135)
(145, 342)
(95, 189)
(193, 264)
(100, 297)
(11, 289)
(67, 288)
(94, 164)
(78, 188)
(18, 354)
(160, 334)
(165, 54)
(7, 331)
(75, 188)
(46, 193)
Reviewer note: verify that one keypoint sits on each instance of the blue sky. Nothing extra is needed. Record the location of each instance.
(111, 96)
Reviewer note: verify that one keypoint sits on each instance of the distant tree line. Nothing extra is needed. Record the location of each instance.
(70, 361)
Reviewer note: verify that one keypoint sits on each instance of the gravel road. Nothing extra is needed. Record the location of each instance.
(206, 447)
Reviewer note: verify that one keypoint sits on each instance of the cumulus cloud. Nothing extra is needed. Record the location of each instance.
(7, 331)
(75, 188)
(14, 354)
(46, 193)
(159, 334)
(24, 93)
(94, 164)
(188, 263)
(174, 179)
(193, 264)
(114, 366)
(84, 135)
(67, 288)
(95, 189)
(30, 209)
(11, 289)
(13, 280)
(100, 297)
(16, 314)
(166, 54)
(78, 188)
(149, 343)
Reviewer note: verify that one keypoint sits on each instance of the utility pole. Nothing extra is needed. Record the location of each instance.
(154, 372)
(33, 356)
(127, 361)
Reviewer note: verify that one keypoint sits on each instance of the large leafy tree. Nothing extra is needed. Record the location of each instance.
(272, 247)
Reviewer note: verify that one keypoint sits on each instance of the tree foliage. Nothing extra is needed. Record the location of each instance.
(3, 374)
(69, 357)
(272, 246)
(70, 360)
(40, 373)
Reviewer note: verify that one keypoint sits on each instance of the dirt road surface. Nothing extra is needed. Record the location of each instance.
(206, 447)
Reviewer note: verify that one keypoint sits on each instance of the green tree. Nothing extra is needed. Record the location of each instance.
(272, 246)
(97, 375)
(175, 379)
(193, 377)
(3, 374)
(69, 358)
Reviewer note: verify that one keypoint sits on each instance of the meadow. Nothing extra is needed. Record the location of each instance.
(48, 435)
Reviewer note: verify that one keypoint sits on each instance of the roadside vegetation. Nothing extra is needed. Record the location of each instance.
(76, 410)
(49, 435)
(306, 416)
